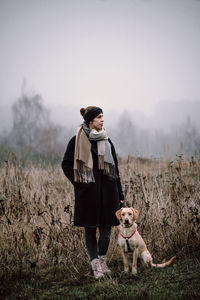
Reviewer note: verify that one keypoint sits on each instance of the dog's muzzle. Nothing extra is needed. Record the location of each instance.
(126, 222)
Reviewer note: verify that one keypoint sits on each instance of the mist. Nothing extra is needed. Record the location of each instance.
(172, 129)
(138, 60)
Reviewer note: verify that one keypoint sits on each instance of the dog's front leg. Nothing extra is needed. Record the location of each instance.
(125, 260)
(135, 257)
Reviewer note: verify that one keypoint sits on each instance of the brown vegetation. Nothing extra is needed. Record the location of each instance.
(36, 214)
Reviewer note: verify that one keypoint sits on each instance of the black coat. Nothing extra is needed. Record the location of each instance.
(95, 202)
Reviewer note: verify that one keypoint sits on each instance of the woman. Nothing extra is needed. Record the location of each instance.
(90, 163)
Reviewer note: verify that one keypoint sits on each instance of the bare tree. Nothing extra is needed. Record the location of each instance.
(30, 117)
(33, 134)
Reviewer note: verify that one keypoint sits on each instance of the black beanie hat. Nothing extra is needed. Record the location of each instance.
(91, 114)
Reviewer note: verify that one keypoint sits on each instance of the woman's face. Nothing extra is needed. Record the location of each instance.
(97, 123)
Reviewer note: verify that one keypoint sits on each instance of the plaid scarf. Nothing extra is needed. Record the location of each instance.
(83, 162)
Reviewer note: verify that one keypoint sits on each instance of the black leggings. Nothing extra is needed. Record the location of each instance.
(97, 247)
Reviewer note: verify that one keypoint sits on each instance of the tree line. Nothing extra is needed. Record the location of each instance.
(34, 136)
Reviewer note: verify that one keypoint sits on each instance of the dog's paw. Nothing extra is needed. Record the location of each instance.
(134, 271)
(126, 269)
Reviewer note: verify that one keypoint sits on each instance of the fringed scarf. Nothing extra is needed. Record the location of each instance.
(83, 162)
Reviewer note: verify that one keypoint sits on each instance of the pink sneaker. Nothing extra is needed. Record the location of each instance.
(104, 267)
(96, 267)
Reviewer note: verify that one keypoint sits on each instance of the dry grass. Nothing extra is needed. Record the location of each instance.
(36, 214)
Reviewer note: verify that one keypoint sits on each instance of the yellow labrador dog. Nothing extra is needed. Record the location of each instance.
(130, 240)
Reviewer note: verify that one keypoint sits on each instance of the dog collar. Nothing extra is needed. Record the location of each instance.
(128, 237)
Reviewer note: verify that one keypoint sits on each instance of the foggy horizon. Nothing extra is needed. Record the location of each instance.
(165, 115)
(137, 59)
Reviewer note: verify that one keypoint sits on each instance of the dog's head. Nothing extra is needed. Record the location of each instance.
(127, 216)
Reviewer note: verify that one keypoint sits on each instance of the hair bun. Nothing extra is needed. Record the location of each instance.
(82, 111)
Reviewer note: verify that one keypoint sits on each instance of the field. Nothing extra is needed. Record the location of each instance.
(43, 256)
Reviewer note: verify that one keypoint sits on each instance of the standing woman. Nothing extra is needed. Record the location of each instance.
(90, 163)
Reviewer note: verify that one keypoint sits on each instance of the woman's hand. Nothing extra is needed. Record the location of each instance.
(121, 203)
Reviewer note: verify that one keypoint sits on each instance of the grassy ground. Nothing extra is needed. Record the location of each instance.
(37, 234)
(179, 281)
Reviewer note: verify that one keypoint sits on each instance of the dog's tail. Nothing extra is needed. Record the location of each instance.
(167, 263)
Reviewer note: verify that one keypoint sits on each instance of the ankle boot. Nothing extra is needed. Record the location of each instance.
(96, 267)
(104, 267)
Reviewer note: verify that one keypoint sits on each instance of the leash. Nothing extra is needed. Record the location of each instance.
(127, 238)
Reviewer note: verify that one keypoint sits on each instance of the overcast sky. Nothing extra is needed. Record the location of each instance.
(127, 54)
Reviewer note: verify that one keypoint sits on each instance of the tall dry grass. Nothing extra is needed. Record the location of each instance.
(36, 214)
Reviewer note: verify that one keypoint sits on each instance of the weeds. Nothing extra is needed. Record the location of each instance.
(37, 236)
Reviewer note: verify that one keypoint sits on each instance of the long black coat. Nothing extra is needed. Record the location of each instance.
(95, 202)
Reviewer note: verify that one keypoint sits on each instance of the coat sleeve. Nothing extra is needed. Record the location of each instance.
(68, 160)
(121, 195)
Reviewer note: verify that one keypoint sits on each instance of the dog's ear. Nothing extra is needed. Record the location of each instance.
(135, 213)
(118, 214)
